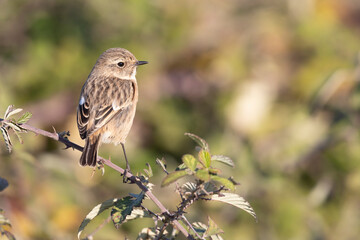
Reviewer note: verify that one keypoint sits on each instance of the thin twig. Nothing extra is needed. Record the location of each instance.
(110, 164)
(98, 228)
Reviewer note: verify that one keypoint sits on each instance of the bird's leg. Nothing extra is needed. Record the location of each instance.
(127, 164)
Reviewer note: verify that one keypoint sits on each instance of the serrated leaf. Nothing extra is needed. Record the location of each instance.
(3, 184)
(24, 118)
(223, 159)
(190, 161)
(11, 111)
(203, 174)
(205, 158)
(124, 207)
(223, 181)
(235, 200)
(172, 177)
(201, 142)
(212, 229)
(189, 186)
(95, 212)
(7, 139)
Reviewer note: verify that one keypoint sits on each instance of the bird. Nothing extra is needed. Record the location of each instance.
(107, 103)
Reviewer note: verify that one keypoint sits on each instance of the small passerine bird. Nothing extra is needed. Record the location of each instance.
(107, 103)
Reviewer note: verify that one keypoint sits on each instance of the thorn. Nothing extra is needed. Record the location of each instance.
(54, 129)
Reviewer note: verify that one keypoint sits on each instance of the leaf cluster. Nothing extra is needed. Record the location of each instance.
(10, 123)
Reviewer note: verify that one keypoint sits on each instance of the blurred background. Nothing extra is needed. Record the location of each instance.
(272, 84)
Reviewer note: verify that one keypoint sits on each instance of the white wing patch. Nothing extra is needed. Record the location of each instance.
(115, 106)
(82, 100)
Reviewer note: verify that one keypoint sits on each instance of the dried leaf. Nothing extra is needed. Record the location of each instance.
(13, 126)
(7, 139)
(172, 177)
(162, 164)
(11, 111)
(201, 142)
(235, 200)
(223, 159)
(190, 161)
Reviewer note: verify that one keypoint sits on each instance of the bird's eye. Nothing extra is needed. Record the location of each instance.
(121, 64)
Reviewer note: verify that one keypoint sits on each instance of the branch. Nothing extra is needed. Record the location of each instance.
(110, 164)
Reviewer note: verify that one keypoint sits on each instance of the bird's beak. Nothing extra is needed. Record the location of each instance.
(141, 63)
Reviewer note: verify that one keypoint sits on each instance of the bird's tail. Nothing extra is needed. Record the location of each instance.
(89, 154)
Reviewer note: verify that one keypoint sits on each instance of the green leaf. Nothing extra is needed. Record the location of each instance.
(190, 161)
(212, 229)
(203, 174)
(7, 139)
(95, 212)
(201, 142)
(223, 181)
(205, 158)
(172, 177)
(3, 184)
(24, 118)
(235, 200)
(124, 207)
(223, 159)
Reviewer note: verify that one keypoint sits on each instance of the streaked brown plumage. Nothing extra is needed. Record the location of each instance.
(108, 102)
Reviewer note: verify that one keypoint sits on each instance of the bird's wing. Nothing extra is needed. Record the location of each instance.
(101, 101)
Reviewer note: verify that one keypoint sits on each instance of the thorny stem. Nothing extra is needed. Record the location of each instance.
(107, 162)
